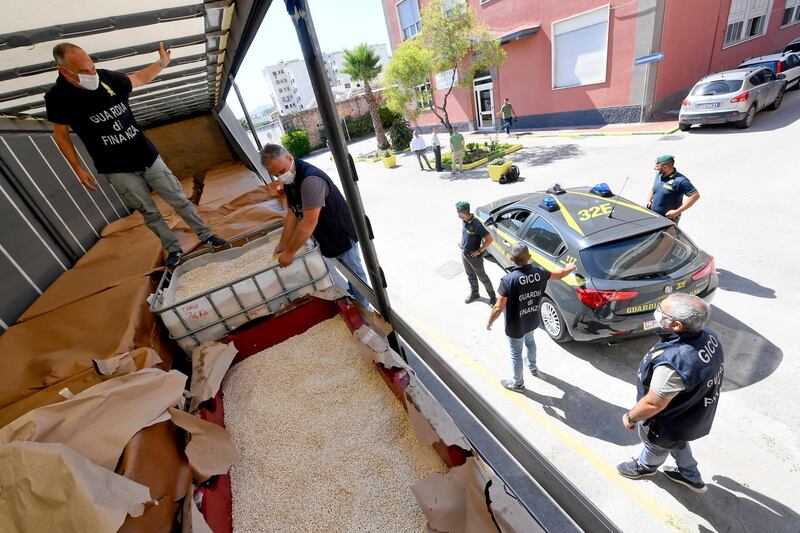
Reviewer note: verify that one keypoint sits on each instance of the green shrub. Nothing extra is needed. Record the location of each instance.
(389, 117)
(359, 126)
(400, 134)
(498, 161)
(296, 142)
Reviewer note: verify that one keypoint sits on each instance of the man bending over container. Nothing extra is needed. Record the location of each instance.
(94, 103)
(316, 207)
(520, 292)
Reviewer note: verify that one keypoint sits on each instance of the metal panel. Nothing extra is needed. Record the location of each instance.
(30, 260)
(24, 160)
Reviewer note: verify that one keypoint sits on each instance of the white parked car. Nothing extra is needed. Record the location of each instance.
(787, 64)
(732, 96)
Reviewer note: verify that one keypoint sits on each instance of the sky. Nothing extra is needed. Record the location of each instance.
(340, 24)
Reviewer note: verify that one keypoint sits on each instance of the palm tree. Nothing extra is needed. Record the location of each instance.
(362, 64)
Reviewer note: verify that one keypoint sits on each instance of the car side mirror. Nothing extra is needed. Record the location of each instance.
(781, 76)
(488, 222)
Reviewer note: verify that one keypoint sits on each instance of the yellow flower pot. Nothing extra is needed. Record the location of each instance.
(390, 161)
(496, 171)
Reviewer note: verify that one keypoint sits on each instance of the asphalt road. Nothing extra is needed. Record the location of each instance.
(746, 218)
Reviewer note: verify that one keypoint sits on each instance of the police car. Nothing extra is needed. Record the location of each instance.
(628, 259)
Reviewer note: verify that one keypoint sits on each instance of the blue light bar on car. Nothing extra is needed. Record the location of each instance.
(549, 204)
(602, 189)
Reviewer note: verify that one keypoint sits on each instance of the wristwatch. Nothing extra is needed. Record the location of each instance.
(630, 420)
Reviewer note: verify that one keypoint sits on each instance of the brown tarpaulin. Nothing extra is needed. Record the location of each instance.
(154, 457)
(111, 261)
(111, 322)
(227, 182)
(76, 383)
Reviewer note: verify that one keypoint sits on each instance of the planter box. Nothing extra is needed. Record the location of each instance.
(390, 161)
(496, 171)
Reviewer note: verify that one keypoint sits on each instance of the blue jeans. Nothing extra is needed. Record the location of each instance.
(516, 355)
(507, 125)
(351, 258)
(653, 456)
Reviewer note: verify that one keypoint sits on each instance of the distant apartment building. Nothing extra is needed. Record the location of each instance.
(572, 62)
(291, 85)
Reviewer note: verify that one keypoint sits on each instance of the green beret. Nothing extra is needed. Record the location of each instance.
(665, 158)
(462, 205)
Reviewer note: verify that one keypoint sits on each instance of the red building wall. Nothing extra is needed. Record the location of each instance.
(692, 45)
(526, 77)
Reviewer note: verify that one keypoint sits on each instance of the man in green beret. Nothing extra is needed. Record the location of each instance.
(669, 189)
(475, 239)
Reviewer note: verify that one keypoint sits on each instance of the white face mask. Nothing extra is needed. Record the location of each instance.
(88, 81)
(287, 177)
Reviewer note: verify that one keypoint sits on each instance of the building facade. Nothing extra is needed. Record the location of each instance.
(572, 63)
(291, 85)
(287, 92)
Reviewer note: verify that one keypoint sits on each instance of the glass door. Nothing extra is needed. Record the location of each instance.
(484, 101)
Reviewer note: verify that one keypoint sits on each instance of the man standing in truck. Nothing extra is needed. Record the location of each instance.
(316, 207)
(94, 103)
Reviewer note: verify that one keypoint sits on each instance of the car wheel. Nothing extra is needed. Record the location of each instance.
(553, 321)
(747, 121)
(777, 103)
(684, 127)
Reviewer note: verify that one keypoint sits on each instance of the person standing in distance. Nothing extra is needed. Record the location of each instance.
(437, 149)
(475, 239)
(520, 291)
(418, 147)
(678, 386)
(669, 188)
(316, 207)
(507, 111)
(457, 151)
(94, 103)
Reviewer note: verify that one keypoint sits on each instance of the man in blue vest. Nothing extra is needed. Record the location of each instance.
(520, 292)
(678, 386)
(667, 195)
(316, 207)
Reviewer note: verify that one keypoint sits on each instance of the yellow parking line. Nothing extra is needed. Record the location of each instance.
(606, 470)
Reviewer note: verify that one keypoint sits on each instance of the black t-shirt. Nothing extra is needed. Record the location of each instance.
(472, 234)
(524, 287)
(103, 120)
(668, 192)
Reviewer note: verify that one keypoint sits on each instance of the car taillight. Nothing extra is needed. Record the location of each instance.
(685, 103)
(710, 268)
(594, 298)
(741, 98)
(780, 67)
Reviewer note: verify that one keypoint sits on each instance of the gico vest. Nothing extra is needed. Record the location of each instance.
(335, 231)
(525, 288)
(698, 359)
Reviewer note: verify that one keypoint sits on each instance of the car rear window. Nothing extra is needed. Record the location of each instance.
(659, 253)
(772, 65)
(717, 87)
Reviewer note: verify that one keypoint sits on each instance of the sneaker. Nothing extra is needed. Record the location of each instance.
(173, 258)
(215, 241)
(471, 298)
(674, 475)
(534, 372)
(492, 300)
(512, 386)
(633, 470)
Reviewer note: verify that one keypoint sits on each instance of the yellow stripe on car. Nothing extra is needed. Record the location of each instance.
(568, 217)
(539, 259)
(623, 204)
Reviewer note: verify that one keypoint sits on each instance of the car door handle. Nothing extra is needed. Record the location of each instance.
(506, 243)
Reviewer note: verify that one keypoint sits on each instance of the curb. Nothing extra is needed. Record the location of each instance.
(599, 134)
